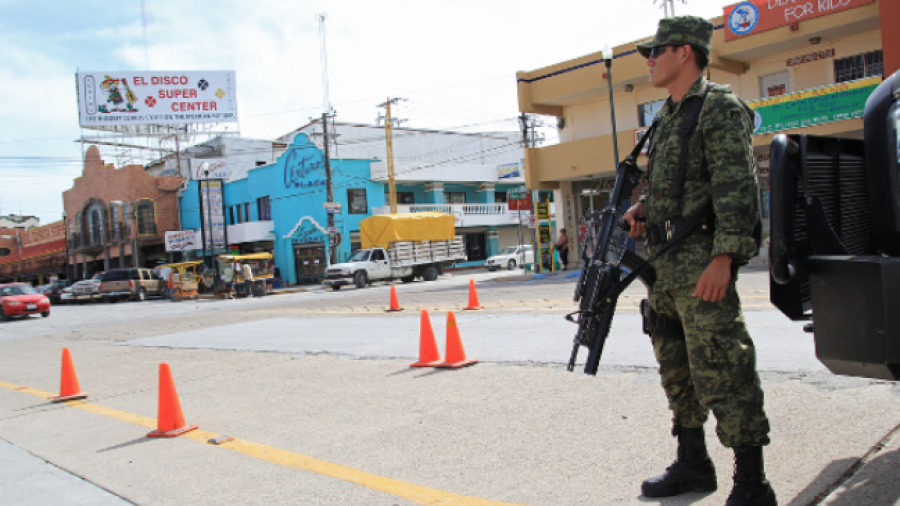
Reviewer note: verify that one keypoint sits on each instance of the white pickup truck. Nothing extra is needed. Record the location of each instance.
(403, 260)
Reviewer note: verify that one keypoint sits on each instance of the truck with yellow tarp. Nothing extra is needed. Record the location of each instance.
(402, 246)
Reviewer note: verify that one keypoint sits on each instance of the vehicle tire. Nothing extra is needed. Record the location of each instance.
(491, 269)
(3, 316)
(511, 265)
(360, 279)
(430, 273)
(45, 314)
(440, 269)
(407, 279)
(109, 300)
(141, 294)
(335, 287)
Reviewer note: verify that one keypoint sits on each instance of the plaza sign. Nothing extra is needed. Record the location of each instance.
(297, 166)
(756, 16)
(145, 98)
(813, 107)
(212, 168)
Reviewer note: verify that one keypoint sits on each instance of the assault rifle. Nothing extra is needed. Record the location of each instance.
(601, 279)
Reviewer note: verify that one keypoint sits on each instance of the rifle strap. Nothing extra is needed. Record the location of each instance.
(688, 125)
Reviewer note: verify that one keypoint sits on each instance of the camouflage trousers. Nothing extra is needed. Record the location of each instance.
(713, 367)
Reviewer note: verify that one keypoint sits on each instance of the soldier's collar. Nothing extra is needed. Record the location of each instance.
(695, 91)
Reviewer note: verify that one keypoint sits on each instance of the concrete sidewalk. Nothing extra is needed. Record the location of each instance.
(516, 434)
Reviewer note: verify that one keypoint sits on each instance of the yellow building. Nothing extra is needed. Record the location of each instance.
(832, 52)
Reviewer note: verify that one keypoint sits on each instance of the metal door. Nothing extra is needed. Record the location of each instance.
(309, 262)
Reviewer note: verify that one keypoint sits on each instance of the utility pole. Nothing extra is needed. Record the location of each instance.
(389, 142)
(332, 253)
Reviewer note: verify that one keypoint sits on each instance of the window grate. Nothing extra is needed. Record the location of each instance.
(859, 67)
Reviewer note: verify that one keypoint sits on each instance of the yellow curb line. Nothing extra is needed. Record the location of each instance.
(409, 491)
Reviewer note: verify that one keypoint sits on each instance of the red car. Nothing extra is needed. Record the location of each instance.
(22, 299)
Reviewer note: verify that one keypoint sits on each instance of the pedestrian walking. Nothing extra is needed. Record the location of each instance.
(706, 357)
(562, 246)
(247, 272)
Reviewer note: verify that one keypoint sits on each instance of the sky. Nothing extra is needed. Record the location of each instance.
(454, 60)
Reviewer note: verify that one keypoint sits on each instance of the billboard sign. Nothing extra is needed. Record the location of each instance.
(756, 16)
(183, 240)
(509, 170)
(217, 167)
(141, 98)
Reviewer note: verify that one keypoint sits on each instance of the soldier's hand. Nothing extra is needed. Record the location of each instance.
(637, 227)
(713, 283)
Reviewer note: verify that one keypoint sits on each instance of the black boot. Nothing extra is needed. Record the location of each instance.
(692, 471)
(750, 485)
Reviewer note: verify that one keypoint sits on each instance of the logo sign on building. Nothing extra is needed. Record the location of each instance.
(509, 170)
(212, 168)
(304, 168)
(183, 240)
(813, 107)
(818, 55)
(756, 16)
(142, 98)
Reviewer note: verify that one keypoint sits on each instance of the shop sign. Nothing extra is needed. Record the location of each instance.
(332, 207)
(144, 98)
(544, 236)
(217, 167)
(301, 163)
(43, 235)
(213, 215)
(756, 16)
(543, 210)
(308, 233)
(509, 170)
(819, 55)
(813, 107)
(519, 204)
(532, 221)
(183, 240)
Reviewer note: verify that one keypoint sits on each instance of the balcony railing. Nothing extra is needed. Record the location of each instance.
(467, 215)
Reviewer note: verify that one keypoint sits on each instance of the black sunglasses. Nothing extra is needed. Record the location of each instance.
(658, 50)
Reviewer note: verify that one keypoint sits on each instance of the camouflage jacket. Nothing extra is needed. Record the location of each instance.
(720, 170)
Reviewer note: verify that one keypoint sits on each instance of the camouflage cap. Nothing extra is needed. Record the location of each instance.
(692, 30)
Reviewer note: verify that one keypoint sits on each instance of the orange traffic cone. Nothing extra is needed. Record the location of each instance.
(429, 356)
(169, 419)
(395, 304)
(473, 297)
(69, 389)
(456, 356)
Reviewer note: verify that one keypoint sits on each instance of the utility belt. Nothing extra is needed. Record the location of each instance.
(661, 233)
(660, 325)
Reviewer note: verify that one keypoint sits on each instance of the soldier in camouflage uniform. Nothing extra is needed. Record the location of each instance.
(708, 361)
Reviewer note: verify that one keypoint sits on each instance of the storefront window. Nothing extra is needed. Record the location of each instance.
(499, 197)
(859, 67)
(402, 198)
(357, 201)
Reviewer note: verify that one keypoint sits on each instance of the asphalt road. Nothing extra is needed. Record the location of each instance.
(316, 390)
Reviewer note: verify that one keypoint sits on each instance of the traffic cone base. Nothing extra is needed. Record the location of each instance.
(63, 398)
(172, 433)
(473, 298)
(456, 365)
(395, 303)
(69, 390)
(429, 356)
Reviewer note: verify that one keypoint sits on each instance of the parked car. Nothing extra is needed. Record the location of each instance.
(65, 296)
(43, 288)
(21, 299)
(511, 257)
(134, 284)
(87, 289)
(56, 290)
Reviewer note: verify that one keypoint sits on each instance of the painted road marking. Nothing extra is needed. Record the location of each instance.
(409, 491)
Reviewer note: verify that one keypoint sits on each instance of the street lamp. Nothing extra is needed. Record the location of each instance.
(608, 58)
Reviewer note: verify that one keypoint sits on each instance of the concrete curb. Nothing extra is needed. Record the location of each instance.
(523, 277)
